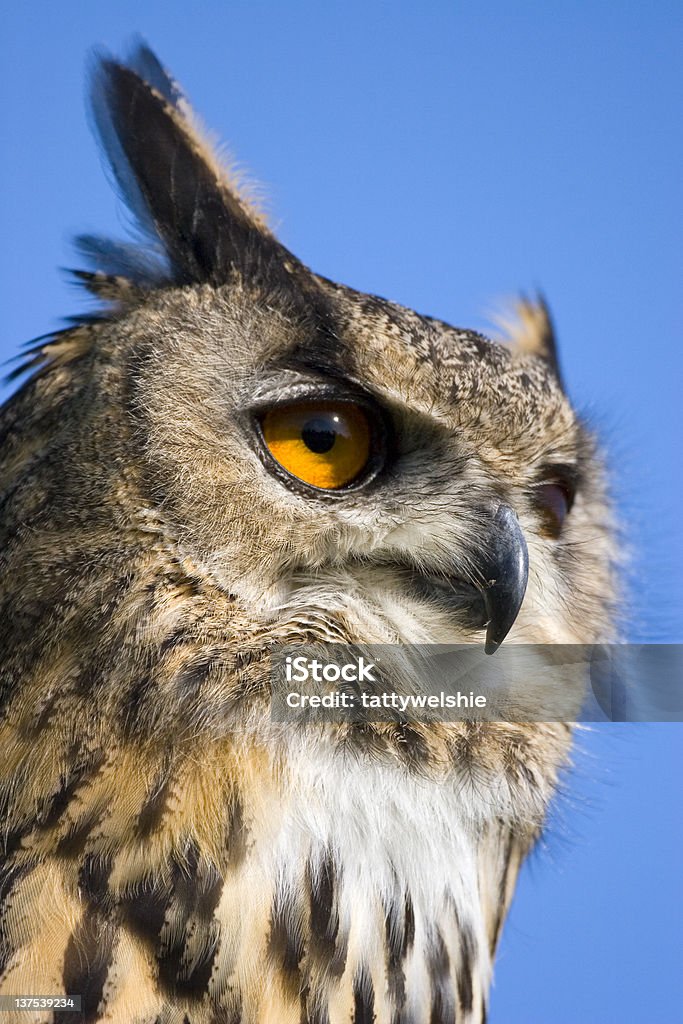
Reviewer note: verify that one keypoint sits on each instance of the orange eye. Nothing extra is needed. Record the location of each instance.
(325, 444)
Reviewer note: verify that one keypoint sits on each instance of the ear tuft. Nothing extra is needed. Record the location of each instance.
(197, 227)
(145, 63)
(527, 326)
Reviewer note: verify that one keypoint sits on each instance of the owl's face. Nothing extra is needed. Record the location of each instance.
(336, 462)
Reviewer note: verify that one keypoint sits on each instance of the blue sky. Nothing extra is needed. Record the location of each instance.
(446, 157)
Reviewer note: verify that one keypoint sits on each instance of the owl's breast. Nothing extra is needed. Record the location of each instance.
(266, 885)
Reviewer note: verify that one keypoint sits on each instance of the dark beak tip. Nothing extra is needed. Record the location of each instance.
(508, 571)
(491, 646)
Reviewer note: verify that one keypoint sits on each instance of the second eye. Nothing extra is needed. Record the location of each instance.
(325, 444)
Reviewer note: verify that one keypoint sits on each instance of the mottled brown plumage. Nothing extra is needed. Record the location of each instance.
(171, 854)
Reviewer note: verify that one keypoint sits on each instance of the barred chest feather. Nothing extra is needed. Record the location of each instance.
(230, 886)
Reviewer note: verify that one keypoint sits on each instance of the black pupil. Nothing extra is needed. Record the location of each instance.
(319, 435)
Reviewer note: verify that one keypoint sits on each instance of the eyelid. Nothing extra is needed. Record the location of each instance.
(290, 384)
(564, 475)
(287, 394)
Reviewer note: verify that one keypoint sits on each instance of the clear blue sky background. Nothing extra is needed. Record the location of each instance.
(445, 155)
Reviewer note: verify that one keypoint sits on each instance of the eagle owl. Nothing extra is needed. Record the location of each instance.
(234, 453)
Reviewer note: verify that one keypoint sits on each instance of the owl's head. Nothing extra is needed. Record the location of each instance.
(337, 465)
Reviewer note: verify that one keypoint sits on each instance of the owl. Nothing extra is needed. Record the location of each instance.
(234, 455)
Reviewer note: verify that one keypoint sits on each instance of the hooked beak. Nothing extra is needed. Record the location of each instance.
(504, 571)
